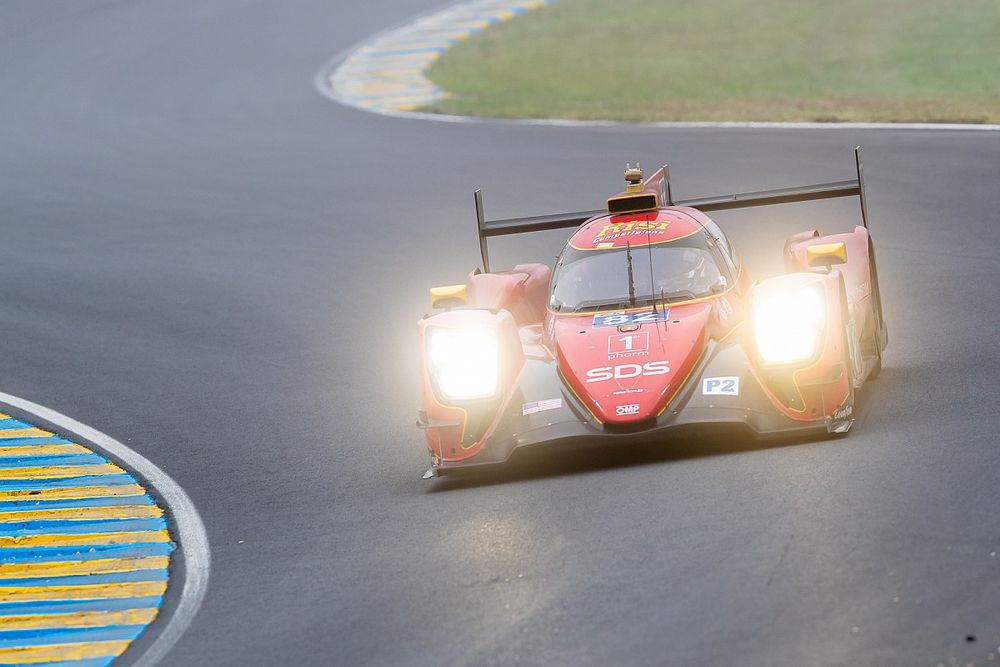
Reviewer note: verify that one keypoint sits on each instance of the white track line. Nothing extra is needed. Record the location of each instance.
(322, 81)
(190, 529)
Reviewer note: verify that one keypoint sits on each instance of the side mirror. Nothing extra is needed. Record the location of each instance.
(720, 285)
(449, 296)
(826, 254)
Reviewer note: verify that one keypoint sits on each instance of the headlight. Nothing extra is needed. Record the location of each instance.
(464, 363)
(788, 325)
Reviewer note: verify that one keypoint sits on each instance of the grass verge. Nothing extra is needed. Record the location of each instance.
(765, 60)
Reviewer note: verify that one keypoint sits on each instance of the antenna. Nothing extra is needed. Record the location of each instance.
(649, 249)
(631, 277)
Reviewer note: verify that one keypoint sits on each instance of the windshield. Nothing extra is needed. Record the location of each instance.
(596, 279)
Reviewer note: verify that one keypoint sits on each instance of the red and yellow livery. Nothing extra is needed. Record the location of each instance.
(649, 323)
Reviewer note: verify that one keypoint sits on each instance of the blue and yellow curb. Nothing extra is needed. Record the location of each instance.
(84, 552)
(388, 73)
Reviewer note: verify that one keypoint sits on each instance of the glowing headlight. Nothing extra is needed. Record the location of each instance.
(465, 363)
(787, 325)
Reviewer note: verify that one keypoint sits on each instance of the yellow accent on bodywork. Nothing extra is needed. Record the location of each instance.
(448, 293)
(825, 253)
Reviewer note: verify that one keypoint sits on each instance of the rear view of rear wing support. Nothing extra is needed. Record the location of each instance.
(853, 187)
(539, 223)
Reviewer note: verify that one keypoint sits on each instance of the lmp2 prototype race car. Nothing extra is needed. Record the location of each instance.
(648, 325)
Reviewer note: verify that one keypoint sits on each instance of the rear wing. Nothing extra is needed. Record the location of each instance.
(660, 183)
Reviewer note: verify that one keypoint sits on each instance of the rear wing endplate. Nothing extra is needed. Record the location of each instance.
(849, 188)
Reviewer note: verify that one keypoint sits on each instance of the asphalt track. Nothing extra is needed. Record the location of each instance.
(210, 262)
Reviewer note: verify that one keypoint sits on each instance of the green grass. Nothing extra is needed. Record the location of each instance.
(782, 60)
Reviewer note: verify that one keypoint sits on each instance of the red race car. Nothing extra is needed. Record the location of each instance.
(649, 324)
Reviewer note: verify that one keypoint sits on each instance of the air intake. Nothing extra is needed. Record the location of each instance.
(633, 203)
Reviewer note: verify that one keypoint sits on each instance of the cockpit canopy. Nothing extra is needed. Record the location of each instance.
(630, 276)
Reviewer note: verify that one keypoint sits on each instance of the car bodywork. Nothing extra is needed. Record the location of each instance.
(509, 364)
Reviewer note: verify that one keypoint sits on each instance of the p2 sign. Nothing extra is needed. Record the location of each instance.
(723, 386)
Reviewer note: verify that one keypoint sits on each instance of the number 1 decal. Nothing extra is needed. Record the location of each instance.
(631, 344)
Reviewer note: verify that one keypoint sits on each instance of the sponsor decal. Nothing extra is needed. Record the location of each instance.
(844, 412)
(725, 309)
(630, 409)
(861, 290)
(628, 345)
(540, 406)
(626, 371)
(628, 391)
(625, 319)
(616, 230)
(722, 386)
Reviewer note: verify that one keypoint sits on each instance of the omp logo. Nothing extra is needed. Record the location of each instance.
(623, 410)
(626, 371)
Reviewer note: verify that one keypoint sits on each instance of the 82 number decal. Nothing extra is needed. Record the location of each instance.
(623, 319)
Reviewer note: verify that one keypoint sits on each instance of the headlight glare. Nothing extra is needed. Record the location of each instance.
(464, 363)
(787, 325)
